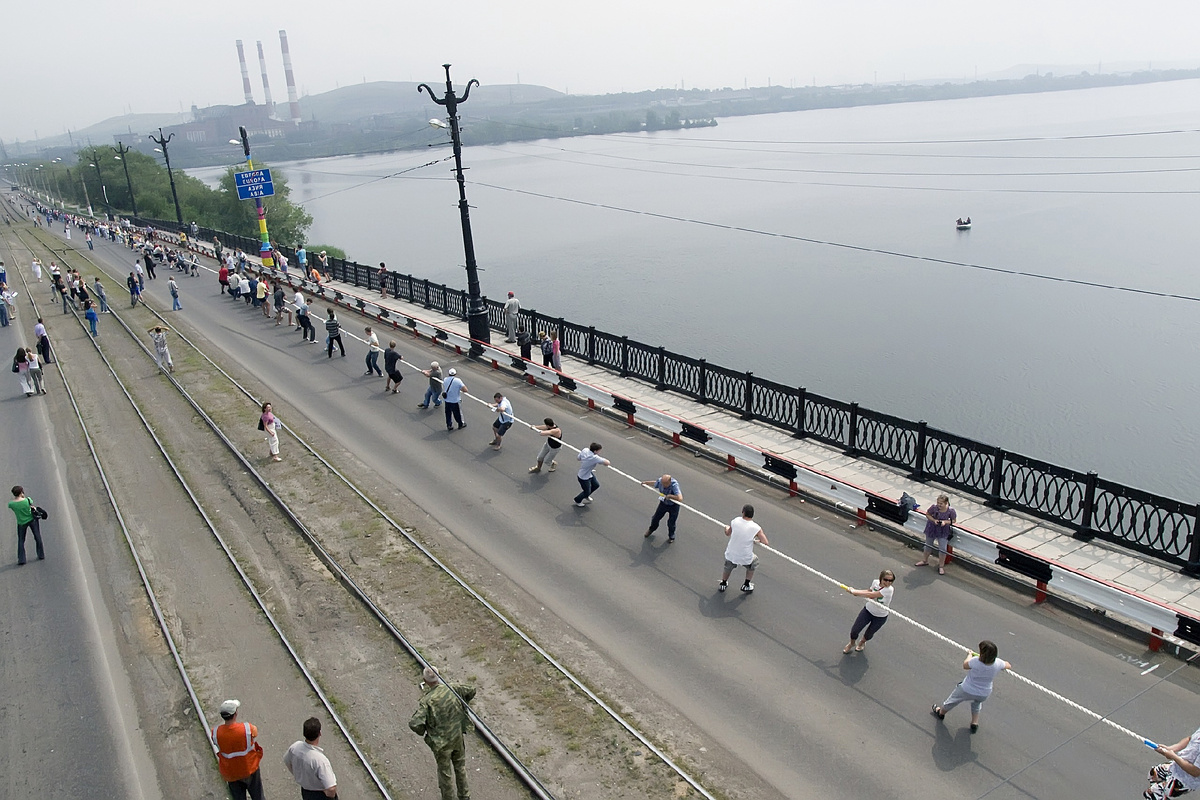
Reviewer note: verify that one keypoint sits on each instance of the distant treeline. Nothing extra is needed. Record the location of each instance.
(660, 109)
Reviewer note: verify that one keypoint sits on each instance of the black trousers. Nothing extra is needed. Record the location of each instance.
(247, 787)
(671, 512)
(338, 340)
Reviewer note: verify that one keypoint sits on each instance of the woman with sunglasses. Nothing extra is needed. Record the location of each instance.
(873, 614)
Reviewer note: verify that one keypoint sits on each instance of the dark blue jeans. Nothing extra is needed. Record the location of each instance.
(455, 410)
(671, 512)
(434, 395)
(373, 362)
(589, 486)
(34, 526)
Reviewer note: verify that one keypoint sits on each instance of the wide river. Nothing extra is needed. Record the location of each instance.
(758, 245)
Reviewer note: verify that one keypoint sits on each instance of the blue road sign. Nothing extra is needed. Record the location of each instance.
(254, 183)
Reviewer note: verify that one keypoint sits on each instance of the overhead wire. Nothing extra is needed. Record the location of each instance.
(818, 171)
(846, 246)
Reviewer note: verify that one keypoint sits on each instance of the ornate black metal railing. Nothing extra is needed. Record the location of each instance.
(1093, 507)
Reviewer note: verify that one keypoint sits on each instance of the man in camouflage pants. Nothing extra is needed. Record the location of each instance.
(442, 719)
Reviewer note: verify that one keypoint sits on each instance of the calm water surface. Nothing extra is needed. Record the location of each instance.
(1086, 377)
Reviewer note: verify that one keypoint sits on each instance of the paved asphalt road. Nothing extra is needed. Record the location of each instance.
(763, 675)
(68, 725)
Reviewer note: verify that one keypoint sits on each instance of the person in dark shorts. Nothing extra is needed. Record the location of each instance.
(391, 365)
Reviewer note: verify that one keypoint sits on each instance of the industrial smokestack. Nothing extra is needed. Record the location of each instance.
(262, 64)
(245, 74)
(293, 103)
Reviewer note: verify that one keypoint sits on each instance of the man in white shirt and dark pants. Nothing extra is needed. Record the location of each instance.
(310, 766)
(743, 532)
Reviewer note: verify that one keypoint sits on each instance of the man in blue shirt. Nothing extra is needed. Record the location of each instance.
(669, 498)
(452, 389)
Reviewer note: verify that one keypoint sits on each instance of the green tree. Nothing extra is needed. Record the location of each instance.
(286, 222)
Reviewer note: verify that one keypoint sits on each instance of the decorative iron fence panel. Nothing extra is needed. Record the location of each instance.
(959, 462)
(682, 374)
(827, 420)
(643, 362)
(1043, 489)
(886, 438)
(1150, 523)
(774, 403)
(727, 388)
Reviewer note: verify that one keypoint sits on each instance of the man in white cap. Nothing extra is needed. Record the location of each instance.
(309, 765)
(452, 389)
(238, 754)
(441, 717)
(511, 308)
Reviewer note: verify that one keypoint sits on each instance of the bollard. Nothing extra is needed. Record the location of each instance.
(730, 463)
(1040, 595)
(1155, 644)
(860, 517)
(793, 489)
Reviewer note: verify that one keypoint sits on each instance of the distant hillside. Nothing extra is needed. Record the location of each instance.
(102, 132)
(362, 100)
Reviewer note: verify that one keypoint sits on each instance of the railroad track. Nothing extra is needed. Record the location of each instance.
(198, 368)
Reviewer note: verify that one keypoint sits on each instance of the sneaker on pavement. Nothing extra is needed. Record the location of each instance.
(747, 587)
(647, 534)
(587, 500)
(553, 466)
(535, 470)
(580, 505)
(722, 586)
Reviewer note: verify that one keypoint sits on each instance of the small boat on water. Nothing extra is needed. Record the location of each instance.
(963, 224)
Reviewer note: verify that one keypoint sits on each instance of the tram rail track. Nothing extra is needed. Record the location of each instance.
(342, 575)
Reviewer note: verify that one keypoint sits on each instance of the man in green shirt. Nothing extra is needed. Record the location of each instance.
(442, 719)
(27, 520)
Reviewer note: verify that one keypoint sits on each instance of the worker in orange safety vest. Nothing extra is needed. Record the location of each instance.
(238, 754)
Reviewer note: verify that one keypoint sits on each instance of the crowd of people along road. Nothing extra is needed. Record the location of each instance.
(237, 278)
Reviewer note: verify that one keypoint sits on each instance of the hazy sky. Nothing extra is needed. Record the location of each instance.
(71, 63)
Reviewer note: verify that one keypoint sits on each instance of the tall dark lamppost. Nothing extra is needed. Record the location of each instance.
(100, 178)
(477, 321)
(121, 150)
(161, 141)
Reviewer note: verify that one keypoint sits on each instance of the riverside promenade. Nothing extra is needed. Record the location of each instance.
(1132, 590)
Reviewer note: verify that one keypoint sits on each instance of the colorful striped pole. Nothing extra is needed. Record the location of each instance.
(264, 247)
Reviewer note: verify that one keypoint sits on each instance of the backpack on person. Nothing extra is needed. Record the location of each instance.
(547, 347)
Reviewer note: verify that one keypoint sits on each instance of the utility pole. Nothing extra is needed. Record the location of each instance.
(265, 253)
(161, 141)
(121, 150)
(477, 321)
(95, 157)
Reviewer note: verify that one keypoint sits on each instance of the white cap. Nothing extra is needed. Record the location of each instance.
(452, 371)
(229, 708)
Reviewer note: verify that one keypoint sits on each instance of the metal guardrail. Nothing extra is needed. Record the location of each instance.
(1091, 506)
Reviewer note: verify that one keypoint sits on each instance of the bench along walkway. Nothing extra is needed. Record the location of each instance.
(1131, 588)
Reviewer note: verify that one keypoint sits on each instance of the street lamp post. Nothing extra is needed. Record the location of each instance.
(121, 150)
(264, 247)
(477, 321)
(100, 178)
(161, 141)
